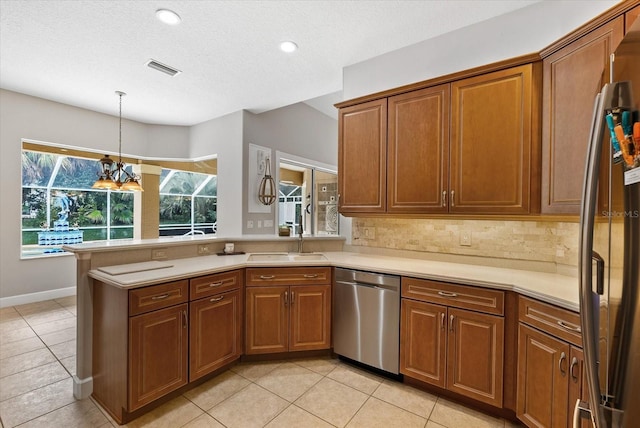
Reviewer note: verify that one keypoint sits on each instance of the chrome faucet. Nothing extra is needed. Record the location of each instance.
(300, 231)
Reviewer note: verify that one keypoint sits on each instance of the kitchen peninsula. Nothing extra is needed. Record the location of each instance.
(129, 265)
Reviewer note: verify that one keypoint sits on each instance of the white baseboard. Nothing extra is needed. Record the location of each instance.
(21, 299)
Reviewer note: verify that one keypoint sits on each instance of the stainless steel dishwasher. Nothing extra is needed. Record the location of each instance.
(366, 318)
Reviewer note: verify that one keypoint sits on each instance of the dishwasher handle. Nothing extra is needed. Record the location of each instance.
(364, 284)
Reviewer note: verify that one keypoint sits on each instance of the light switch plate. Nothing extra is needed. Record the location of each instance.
(465, 238)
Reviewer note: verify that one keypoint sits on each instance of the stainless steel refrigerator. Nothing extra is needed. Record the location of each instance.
(609, 248)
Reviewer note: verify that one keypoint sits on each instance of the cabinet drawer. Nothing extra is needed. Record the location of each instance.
(209, 285)
(289, 276)
(458, 296)
(147, 299)
(556, 321)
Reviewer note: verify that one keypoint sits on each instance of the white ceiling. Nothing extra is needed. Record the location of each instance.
(79, 52)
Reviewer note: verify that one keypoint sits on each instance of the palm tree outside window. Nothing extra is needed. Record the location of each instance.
(188, 203)
(50, 178)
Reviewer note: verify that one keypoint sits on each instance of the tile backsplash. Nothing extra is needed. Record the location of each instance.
(543, 241)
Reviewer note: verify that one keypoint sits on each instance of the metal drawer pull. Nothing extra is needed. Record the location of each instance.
(444, 198)
(574, 364)
(563, 358)
(160, 297)
(442, 321)
(569, 327)
(216, 284)
(451, 318)
(286, 298)
(453, 198)
(184, 318)
(293, 297)
(447, 294)
(267, 276)
(217, 299)
(310, 275)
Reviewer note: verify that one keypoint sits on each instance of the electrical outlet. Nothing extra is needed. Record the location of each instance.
(259, 224)
(369, 233)
(158, 254)
(465, 238)
(204, 249)
(249, 224)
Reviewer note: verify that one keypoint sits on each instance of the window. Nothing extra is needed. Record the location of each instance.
(188, 203)
(308, 193)
(58, 203)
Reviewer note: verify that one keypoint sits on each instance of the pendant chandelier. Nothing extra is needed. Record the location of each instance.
(267, 189)
(113, 175)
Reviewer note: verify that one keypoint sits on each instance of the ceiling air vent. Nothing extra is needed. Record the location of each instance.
(152, 63)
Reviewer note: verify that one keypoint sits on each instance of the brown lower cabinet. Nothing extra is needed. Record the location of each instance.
(282, 317)
(151, 341)
(550, 366)
(445, 345)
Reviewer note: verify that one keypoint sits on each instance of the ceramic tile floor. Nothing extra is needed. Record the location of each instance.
(37, 359)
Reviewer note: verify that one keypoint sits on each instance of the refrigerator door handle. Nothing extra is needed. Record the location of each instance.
(581, 411)
(587, 220)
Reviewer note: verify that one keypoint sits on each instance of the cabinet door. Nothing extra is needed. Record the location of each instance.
(572, 77)
(475, 355)
(157, 354)
(543, 364)
(418, 151)
(310, 312)
(494, 142)
(215, 333)
(362, 157)
(267, 320)
(423, 341)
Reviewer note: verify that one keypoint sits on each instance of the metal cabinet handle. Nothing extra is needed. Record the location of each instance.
(453, 198)
(267, 276)
(563, 358)
(216, 284)
(569, 327)
(184, 319)
(311, 275)
(447, 294)
(293, 297)
(286, 298)
(444, 198)
(442, 321)
(160, 297)
(217, 299)
(451, 318)
(574, 364)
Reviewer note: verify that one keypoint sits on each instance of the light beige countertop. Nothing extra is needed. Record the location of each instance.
(554, 288)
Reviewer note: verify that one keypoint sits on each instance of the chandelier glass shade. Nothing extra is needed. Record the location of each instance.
(267, 189)
(113, 175)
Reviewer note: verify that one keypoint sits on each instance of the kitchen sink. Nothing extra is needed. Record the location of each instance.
(286, 257)
(307, 257)
(268, 257)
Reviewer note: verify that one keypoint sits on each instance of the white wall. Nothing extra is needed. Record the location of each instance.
(298, 130)
(223, 136)
(520, 32)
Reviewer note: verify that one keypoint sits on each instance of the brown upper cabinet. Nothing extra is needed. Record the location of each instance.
(572, 76)
(488, 165)
(495, 142)
(362, 157)
(418, 151)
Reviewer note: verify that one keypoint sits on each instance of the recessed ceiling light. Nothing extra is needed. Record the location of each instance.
(288, 47)
(168, 16)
